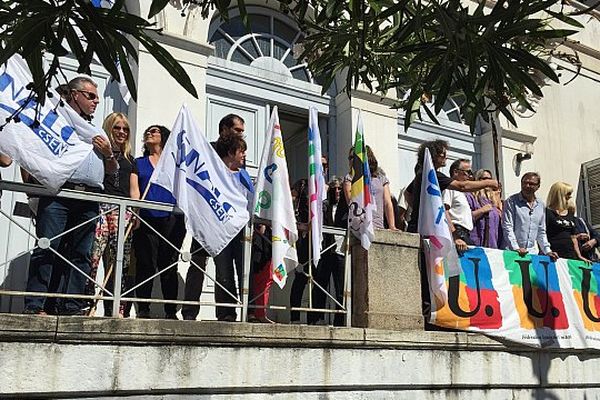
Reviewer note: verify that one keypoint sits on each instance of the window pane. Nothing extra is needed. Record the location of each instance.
(234, 28)
(284, 31)
(221, 44)
(260, 23)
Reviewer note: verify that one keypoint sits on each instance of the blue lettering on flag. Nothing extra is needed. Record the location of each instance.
(185, 159)
(433, 189)
(269, 170)
(44, 131)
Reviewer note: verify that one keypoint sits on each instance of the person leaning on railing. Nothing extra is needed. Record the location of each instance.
(588, 238)
(56, 215)
(486, 211)
(561, 227)
(152, 252)
(117, 183)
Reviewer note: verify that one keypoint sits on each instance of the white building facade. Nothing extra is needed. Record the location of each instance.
(248, 72)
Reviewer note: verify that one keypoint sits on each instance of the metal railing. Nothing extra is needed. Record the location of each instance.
(117, 296)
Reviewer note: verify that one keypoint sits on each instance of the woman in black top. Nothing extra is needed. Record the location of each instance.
(116, 127)
(560, 223)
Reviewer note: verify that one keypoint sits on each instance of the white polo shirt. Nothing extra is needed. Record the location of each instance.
(460, 211)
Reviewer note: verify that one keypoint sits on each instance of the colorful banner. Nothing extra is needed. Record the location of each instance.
(530, 300)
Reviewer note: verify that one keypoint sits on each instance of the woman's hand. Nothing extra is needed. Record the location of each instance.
(583, 236)
(590, 244)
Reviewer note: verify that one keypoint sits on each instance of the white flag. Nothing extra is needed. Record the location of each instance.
(51, 150)
(434, 227)
(210, 195)
(362, 204)
(273, 201)
(316, 184)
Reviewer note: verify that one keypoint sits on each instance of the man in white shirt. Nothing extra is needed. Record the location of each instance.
(457, 206)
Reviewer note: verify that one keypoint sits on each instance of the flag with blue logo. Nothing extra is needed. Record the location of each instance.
(51, 144)
(273, 202)
(316, 184)
(212, 197)
(434, 228)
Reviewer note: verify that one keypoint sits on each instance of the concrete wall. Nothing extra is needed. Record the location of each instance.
(91, 358)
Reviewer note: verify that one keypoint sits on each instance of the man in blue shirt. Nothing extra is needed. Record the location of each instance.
(57, 215)
(524, 220)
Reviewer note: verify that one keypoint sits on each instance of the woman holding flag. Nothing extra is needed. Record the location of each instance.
(152, 252)
(380, 190)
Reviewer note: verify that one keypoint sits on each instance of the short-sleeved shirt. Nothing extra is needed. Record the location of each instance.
(559, 230)
(458, 208)
(414, 188)
(143, 168)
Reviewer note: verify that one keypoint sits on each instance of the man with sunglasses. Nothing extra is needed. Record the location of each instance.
(57, 215)
(457, 205)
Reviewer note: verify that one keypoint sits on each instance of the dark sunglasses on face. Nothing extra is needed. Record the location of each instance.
(121, 128)
(88, 95)
(152, 131)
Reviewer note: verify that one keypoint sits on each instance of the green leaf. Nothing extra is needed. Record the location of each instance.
(156, 7)
(129, 79)
(565, 18)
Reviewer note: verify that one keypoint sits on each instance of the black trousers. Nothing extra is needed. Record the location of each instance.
(300, 279)
(194, 280)
(228, 263)
(154, 254)
(330, 265)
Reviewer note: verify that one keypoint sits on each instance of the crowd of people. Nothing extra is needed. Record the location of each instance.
(478, 216)
(476, 213)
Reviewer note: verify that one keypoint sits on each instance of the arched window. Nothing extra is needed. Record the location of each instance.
(268, 44)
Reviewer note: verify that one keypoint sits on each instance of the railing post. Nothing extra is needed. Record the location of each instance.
(119, 261)
(246, 276)
(348, 281)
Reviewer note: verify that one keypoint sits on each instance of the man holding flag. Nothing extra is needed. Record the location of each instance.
(208, 189)
(429, 217)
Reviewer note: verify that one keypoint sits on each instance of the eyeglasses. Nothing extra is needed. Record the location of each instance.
(485, 178)
(88, 95)
(466, 171)
(152, 131)
(121, 128)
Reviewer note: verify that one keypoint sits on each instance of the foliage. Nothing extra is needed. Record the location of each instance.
(420, 49)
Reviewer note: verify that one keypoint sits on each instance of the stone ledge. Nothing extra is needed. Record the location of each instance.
(83, 330)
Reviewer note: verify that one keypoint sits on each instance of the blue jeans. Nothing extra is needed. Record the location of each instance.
(56, 215)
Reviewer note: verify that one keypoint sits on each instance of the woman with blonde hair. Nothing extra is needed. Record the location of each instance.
(486, 210)
(560, 221)
(104, 248)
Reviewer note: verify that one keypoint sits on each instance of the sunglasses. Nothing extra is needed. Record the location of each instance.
(467, 171)
(88, 95)
(152, 131)
(121, 128)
